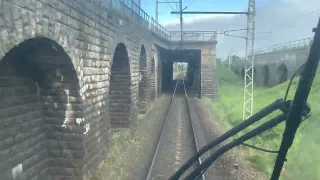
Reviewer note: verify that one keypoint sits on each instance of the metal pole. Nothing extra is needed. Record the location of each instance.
(230, 59)
(181, 23)
(157, 10)
(213, 12)
(249, 62)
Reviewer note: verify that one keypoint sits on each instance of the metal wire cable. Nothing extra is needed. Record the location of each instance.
(260, 149)
(291, 80)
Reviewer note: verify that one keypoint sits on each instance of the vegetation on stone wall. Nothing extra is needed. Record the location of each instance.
(127, 147)
(304, 156)
(178, 68)
(113, 167)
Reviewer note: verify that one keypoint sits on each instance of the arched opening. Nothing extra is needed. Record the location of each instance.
(282, 73)
(159, 78)
(266, 75)
(254, 74)
(242, 73)
(152, 65)
(153, 80)
(120, 88)
(143, 81)
(39, 108)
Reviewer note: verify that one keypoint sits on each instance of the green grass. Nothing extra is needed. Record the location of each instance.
(124, 148)
(304, 156)
(113, 166)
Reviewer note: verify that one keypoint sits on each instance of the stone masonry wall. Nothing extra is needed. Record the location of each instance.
(143, 81)
(22, 132)
(40, 70)
(291, 59)
(209, 75)
(152, 80)
(89, 34)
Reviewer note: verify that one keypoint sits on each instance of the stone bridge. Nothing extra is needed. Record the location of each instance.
(276, 64)
(72, 70)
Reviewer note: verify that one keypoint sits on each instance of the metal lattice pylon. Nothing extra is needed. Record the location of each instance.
(249, 62)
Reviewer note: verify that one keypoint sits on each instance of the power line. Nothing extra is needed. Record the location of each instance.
(188, 5)
(296, 20)
(170, 5)
(313, 12)
(164, 2)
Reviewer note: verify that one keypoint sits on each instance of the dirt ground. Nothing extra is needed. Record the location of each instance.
(230, 166)
(131, 162)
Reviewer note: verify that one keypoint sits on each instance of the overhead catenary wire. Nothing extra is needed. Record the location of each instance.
(186, 7)
(279, 28)
(171, 6)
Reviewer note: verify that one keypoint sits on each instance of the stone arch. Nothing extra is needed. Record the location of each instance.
(254, 74)
(266, 75)
(152, 80)
(41, 110)
(159, 77)
(282, 73)
(255, 77)
(152, 66)
(143, 80)
(120, 88)
(242, 73)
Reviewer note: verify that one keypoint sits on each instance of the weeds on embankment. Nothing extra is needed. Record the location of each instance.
(304, 156)
(114, 165)
(125, 149)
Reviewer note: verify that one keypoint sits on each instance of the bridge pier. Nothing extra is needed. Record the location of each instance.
(209, 74)
(275, 66)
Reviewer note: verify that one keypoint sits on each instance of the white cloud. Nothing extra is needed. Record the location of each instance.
(197, 18)
(277, 21)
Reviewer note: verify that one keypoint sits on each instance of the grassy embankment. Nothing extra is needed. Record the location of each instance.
(121, 145)
(304, 157)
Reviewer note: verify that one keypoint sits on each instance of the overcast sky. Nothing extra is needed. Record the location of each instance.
(277, 21)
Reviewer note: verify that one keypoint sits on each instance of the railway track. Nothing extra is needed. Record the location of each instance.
(177, 141)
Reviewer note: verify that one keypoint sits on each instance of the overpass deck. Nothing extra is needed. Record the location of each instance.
(131, 10)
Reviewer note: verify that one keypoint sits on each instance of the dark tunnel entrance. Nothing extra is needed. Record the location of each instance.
(282, 73)
(266, 75)
(242, 73)
(177, 64)
(120, 88)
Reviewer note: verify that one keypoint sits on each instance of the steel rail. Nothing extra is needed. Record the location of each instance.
(161, 135)
(193, 130)
(151, 167)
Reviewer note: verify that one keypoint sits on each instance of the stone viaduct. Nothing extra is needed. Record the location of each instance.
(277, 63)
(72, 70)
